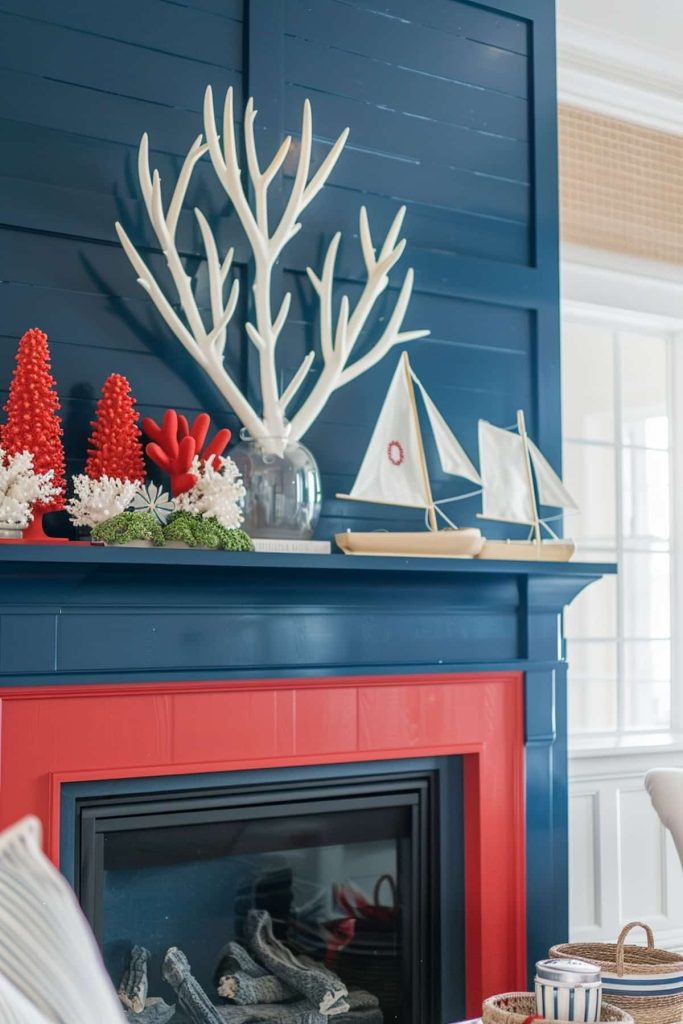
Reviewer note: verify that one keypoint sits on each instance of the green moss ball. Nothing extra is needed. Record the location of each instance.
(127, 526)
(200, 532)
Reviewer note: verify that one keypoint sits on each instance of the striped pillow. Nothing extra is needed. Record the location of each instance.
(15, 1007)
(50, 966)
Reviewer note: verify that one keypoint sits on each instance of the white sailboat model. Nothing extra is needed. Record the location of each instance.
(509, 461)
(394, 472)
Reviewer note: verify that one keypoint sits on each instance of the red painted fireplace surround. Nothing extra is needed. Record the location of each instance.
(55, 736)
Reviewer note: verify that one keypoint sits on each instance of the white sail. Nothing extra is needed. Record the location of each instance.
(551, 490)
(392, 471)
(505, 476)
(452, 455)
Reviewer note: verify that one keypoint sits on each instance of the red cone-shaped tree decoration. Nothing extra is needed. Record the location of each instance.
(114, 448)
(32, 421)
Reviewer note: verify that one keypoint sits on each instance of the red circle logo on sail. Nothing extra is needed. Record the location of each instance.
(395, 453)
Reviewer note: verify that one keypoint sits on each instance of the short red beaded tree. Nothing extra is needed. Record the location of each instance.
(114, 448)
(33, 424)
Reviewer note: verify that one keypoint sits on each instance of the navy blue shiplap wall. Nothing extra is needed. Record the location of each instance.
(452, 111)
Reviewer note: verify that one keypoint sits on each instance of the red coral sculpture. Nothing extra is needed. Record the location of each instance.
(199, 431)
(33, 424)
(114, 448)
(174, 445)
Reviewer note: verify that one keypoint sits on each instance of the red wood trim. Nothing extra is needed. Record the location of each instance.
(474, 884)
(53, 735)
(223, 685)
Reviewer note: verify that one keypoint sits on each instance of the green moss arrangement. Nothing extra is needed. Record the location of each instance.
(198, 532)
(127, 526)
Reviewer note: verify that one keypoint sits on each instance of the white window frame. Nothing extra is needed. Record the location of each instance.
(629, 294)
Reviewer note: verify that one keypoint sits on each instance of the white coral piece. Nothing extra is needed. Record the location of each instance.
(340, 334)
(21, 488)
(216, 493)
(95, 501)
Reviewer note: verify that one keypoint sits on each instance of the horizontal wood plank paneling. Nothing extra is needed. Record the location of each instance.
(358, 77)
(408, 137)
(407, 45)
(430, 231)
(435, 185)
(97, 114)
(186, 30)
(37, 48)
(423, 98)
(438, 99)
(487, 25)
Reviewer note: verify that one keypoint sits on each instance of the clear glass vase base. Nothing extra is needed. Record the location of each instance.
(283, 490)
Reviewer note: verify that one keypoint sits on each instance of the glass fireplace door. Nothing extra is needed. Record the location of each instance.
(344, 872)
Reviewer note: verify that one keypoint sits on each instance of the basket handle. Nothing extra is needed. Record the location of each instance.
(622, 939)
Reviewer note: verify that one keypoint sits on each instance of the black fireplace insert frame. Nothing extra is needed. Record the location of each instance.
(430, 791)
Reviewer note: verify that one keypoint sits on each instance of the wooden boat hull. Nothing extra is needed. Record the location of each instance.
(466, 543)
(528, 550)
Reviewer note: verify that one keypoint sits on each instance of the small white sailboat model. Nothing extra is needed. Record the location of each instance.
(509, 462)
(394, 472)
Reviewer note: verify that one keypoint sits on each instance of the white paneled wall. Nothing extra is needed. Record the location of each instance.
(622, 862)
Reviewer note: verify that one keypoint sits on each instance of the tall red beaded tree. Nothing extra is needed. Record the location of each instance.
(114, 448)
(33, 424)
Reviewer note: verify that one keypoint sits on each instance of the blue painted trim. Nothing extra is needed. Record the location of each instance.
(82, 614)
(76, 555)
(349, 671)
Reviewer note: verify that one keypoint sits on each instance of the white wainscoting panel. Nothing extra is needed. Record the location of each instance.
(584, 858)
(622, 862)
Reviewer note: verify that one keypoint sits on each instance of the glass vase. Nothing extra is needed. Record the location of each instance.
(282, 481)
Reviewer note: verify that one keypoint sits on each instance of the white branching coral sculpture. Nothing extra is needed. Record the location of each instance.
(216, 494)
(21, 488)
(338, 334)
(95, 501)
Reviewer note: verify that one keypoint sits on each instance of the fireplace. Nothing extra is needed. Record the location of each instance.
(140, 684)
(441, 756)
(356, 869)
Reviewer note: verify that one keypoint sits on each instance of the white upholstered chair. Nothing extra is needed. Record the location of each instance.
(51, 971)
(665, 786)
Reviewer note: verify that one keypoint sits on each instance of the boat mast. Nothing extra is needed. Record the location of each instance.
(521, 427)
(420, 445)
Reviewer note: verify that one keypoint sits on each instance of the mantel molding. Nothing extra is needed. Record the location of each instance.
(604, 74)
(75, 613)
(26, 559)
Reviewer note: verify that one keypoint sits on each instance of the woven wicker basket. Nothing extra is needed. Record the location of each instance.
(645, 981)
(518, 1007)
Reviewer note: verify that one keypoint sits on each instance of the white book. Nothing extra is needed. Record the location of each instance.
(292, 547)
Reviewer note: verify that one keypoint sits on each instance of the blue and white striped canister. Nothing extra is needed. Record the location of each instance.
(568, 990)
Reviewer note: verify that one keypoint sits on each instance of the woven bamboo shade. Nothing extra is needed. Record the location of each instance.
(621, 186)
